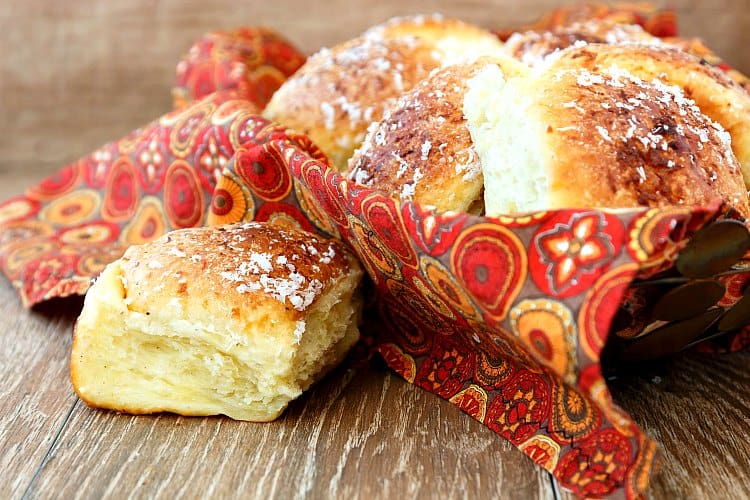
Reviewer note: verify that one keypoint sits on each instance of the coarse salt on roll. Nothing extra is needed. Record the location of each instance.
(339, 91)
(568, 136)
(234, 320)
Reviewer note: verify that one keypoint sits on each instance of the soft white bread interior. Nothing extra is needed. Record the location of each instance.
(234, 320)
(339, 91)
(568, 136)
(421, 150)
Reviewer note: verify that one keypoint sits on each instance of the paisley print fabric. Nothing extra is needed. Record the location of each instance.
(250, 61)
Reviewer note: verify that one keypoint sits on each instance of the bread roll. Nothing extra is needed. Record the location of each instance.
(234, 320)
(567, 136)
(532, 47)
(714, 91)
(698, 48)
(421, 150)
(338, 92)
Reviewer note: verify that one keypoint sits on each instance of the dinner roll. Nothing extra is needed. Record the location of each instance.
(570, 137)
(532, 47)
(715, 93)
(698, 48)
(421, 150)
(338, 92)
(234, 320)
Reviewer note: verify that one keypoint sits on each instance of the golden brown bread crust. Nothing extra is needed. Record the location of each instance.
(422, 150)
(698, 48)
(620, 141)
(339, 91)
(235, 320)
(230, 263)
(715, 93)
(531, 47)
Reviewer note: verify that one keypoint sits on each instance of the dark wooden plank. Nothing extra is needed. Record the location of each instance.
(698, 408)
(359, 434)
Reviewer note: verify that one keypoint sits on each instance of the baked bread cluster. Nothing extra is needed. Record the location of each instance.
(593, 114)
(233, 320)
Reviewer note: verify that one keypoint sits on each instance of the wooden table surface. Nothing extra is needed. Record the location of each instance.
(360, 433)
(75, 74)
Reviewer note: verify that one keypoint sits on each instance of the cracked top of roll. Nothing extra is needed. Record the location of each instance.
(340, 91)
(240, 265)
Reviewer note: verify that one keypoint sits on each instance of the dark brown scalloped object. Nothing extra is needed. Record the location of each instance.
(685, 302)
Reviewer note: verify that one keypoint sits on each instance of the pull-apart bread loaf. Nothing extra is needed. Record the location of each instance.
(422, 150)
(234, 320)
(647, 57)
(338, 92)
(579, 134)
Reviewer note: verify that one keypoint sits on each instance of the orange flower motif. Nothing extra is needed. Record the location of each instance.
(573, 248)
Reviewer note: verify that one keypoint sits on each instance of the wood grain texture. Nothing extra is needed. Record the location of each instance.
(358, 434)
(35, 395)
(698, 408)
